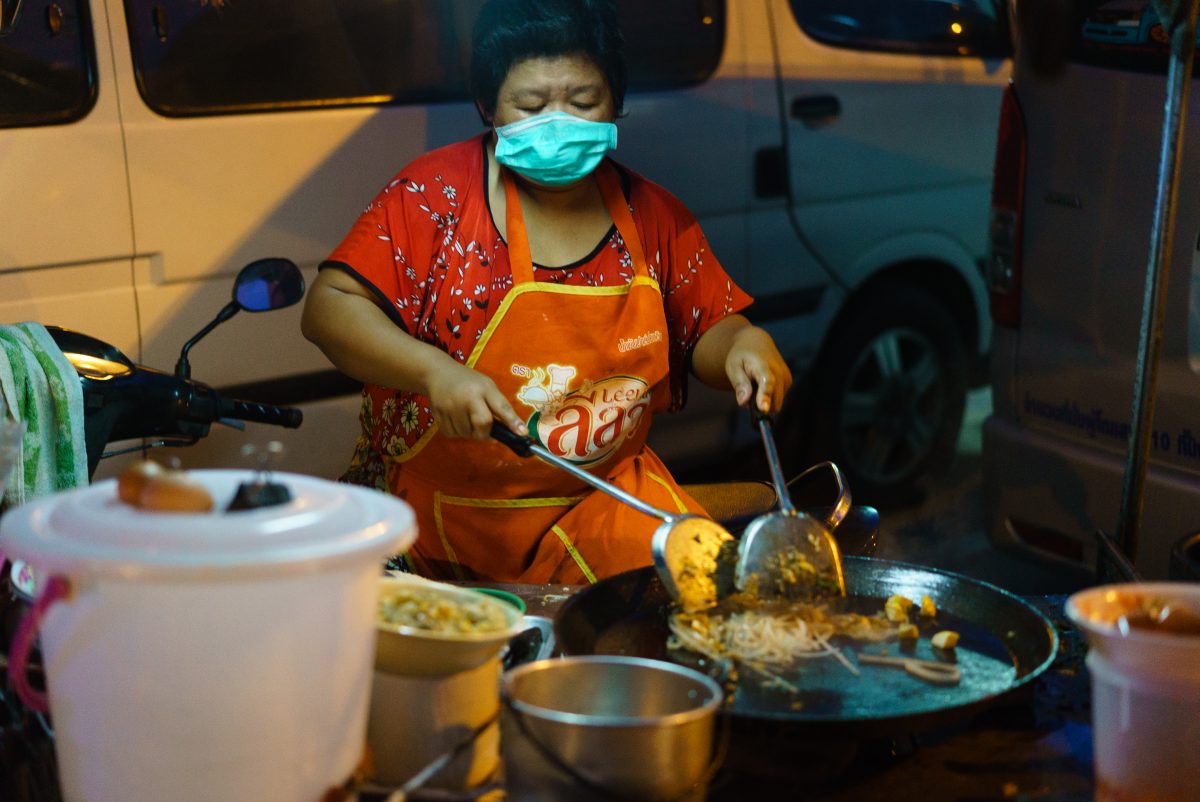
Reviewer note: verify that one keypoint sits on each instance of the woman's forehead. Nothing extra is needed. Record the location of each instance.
(553, 74)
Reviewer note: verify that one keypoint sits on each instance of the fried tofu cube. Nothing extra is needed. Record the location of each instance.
(908, 633)
(928, 608)
(896, 608)
(946, 639)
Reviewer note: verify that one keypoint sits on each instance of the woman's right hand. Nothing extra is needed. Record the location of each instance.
(465, 403)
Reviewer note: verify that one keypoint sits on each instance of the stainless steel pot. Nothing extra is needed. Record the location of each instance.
(607, 727)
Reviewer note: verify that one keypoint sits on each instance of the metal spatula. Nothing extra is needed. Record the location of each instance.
(788, 553)
(688, 550)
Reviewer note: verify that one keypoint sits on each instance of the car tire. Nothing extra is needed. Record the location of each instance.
(887, 397)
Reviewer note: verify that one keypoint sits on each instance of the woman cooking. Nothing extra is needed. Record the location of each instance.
(524, 277)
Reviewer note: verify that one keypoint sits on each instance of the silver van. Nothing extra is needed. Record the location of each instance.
(836, 152)
(1076, 173)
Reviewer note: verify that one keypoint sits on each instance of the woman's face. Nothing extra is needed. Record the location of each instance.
(571, 83)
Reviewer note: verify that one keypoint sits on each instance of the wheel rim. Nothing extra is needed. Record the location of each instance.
(892, 405)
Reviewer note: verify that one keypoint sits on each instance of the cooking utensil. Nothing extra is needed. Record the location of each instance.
(929, 670)
(788, 553)
(1004, 645)
(594, 729)
(686, 548)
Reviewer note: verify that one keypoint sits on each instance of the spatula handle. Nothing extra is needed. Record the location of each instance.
(521, 446)
(527, 446)
(777, 478)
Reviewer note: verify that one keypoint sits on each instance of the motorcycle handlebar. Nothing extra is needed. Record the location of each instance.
(287, 417)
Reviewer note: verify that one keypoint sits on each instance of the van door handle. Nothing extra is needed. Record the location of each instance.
(815, 109)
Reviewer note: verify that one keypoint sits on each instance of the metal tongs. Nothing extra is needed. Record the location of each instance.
(686, 548)
(788, 553)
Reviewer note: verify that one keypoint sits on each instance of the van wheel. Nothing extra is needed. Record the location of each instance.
(888, 396)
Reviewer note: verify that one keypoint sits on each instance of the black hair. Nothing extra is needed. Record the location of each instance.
(510, 31)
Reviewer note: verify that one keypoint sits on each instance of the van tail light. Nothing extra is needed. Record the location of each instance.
(1008, 206)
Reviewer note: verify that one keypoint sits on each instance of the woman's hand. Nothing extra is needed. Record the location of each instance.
(734, 353)
(753, 360)
(465, 403)
(344, 319)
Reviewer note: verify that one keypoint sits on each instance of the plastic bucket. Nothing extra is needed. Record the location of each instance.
(207, 656)
(1145, 696)
(599, 727)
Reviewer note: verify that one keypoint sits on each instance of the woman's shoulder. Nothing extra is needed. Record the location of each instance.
(455, 164)
(648, 197)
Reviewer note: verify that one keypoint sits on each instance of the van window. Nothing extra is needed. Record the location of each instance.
(47, 63)
(199, 58)
(929, 27)
(1121, 34)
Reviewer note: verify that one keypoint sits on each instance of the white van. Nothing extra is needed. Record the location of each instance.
(1076, 170)
(837, 154)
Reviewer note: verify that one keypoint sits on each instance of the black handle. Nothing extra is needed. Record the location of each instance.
(287, 417)
(756, 414)
(519, 445)
(815, 108)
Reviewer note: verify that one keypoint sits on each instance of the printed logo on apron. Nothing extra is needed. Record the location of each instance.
(585, 425)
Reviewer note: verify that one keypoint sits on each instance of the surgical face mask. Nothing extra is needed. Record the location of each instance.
(554, 149)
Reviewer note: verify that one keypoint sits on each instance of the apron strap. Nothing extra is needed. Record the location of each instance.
(618, 209)
(519, 256)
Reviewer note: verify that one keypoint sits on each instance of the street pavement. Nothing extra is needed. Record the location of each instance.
(948, 530)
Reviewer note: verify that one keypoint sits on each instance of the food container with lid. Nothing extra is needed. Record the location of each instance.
(223, 655)
(1145, 693)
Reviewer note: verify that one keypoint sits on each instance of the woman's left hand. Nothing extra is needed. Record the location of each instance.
(754, 360)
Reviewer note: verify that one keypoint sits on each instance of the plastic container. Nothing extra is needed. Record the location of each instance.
(604, 727)
(208, 656)
(1145, 696)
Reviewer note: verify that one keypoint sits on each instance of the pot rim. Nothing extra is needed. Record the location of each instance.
(707, 709)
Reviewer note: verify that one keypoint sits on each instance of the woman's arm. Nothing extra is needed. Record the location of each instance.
(734, 353)
(343, 319)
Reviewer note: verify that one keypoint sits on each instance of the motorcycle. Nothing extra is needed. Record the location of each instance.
(124, 401)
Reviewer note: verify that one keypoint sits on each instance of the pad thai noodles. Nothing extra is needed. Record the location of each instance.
(773, 638)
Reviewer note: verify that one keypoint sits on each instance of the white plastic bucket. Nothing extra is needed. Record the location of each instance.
(1145, 696)
(220, 656)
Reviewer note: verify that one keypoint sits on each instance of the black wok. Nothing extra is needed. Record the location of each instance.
(1005, 644)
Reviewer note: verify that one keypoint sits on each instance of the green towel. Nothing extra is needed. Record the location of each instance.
(39, 386)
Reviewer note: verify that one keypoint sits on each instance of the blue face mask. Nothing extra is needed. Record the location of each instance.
(554, 149)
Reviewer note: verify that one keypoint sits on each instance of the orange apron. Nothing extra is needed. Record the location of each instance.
(586, 367)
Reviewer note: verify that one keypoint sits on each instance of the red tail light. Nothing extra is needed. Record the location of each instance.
(1008, 206)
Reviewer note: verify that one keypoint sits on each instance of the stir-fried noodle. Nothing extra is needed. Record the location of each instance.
(771, 639)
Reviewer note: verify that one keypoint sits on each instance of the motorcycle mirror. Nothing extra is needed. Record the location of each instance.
(260, 286)
(268, 284)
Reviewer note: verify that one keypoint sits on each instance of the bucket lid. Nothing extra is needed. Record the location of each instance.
(90, 532)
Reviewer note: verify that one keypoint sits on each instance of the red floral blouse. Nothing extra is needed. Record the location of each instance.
(428, 248)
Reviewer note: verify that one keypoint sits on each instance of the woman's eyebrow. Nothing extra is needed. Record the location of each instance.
(541, 93)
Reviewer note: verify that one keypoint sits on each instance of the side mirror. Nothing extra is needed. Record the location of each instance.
(268, 284)
(10, 12)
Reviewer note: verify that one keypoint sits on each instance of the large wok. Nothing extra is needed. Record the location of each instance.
(1005, 644)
